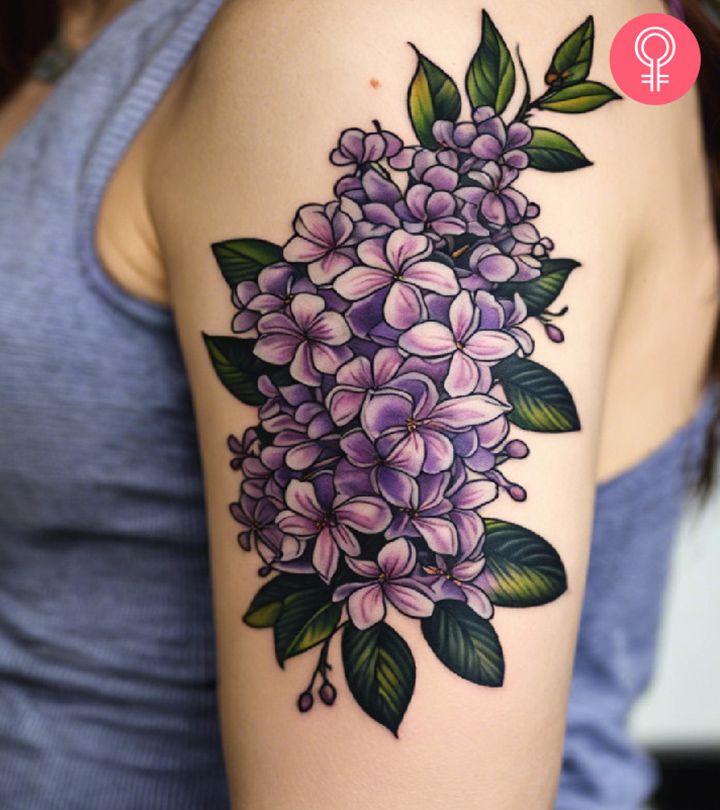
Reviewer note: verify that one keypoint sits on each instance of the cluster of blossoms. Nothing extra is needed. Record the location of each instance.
(387, 311)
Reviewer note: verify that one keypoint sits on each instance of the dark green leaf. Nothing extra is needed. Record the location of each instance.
(522, 569)
(238, 368)
(539, 398)
(465, 643)
(539, 293)
(307, 618)
(380, 672)
(242, 259)
(578, 98)
(432, 96)
(267, 603)
(490, 79)
(573, 57)
(550, 151)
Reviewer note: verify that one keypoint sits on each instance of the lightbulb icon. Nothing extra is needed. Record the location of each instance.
(655, 77)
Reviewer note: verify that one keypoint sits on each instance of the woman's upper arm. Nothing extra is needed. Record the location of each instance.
(412, 467)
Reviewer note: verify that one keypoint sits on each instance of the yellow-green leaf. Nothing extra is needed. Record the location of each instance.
(490, 79)
(578, 98)
(573, 57)
(432, 96)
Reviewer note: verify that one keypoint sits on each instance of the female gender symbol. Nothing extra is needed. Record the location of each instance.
(655, 78)
(642, 50)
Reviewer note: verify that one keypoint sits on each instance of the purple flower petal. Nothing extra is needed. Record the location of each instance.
(397, 558)
(300, 496)
(463, 412)
(360, 281)
(478, 600)
(409, 599)
(430, 339)
(365, 514)
(475, 494)
(439, 534)
(366, 606)
(366, 568)
(325, 555)
(462, 377)
(488, 345)
(433, 276)
(302, 367)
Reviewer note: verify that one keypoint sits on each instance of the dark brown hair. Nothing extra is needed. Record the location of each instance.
(703, 20)
(26, 28)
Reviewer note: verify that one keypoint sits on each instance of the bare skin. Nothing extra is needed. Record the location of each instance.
(644, 404)
(220, 157)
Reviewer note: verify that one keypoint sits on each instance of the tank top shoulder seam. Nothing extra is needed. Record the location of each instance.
(113, 140)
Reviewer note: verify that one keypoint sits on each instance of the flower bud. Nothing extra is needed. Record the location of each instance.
(264, 571)
(517, 493)
(305, 702)
(516, 449)
(555, 334)
(327, 693)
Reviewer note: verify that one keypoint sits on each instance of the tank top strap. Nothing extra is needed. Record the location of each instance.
(165, 32)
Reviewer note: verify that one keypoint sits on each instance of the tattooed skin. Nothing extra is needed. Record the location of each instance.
(384, 347)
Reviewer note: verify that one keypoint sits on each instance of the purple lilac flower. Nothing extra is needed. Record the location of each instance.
(458, 581)
(309, 338)
(465, 341)
(396, 270)
(356, 147)
(392, 580)
(314, 511)
(411, 415)
(488, 264)
(492, 199)
(392, 467)
(254, 516)
(248, 445)
(356, 378)
(322, 240)
(497, 142)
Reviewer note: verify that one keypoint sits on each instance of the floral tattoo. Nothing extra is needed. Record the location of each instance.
(385, 350)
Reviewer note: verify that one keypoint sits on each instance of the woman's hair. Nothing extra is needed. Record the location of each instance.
(27, 28)
(704, 21)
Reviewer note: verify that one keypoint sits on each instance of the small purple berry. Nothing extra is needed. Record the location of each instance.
(555, 334)
(305, 702)
(517, 493)
(516, 449)
(327, 693)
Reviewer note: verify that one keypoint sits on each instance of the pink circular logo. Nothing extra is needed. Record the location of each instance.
(655, 58)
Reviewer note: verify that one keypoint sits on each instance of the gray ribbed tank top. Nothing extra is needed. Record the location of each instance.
(107, 669)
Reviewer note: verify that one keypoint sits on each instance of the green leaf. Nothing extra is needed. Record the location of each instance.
(550, 151)
(578, 98)
(540, 399)
(242, 259)
(467, 644)
(238, 368)
(432, 96)
(522, 569)
(540, 292)
(573, 57)
(265, 607)
(490, 79)
(307, 618)
(380, 672)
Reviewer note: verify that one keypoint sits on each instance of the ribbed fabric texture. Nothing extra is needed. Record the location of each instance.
(107, 667)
